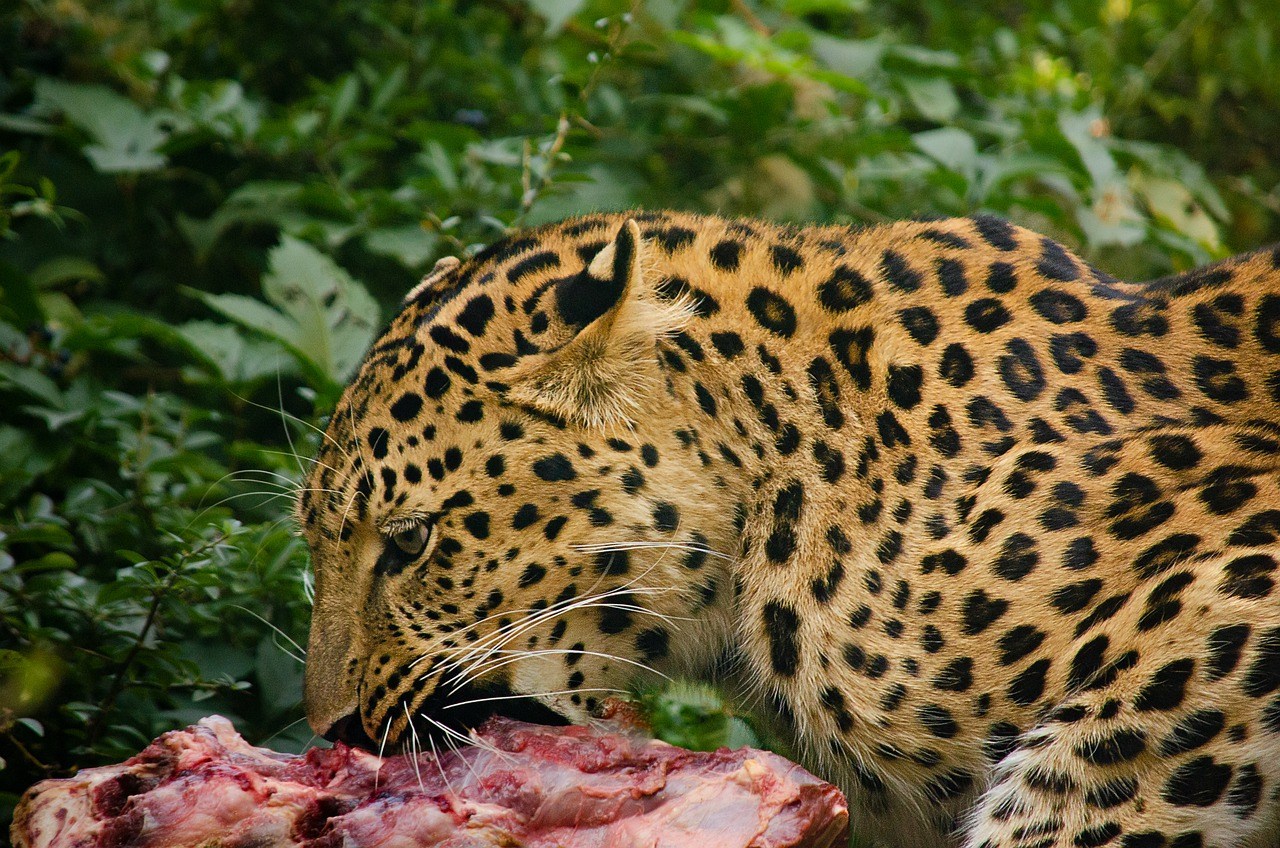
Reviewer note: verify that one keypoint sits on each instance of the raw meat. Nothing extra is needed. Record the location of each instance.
(524, 784)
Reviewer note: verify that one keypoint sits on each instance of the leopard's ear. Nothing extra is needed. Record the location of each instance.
(601, 376)
(430, 286)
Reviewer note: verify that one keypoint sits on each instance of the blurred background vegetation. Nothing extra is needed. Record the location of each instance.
(209, 207)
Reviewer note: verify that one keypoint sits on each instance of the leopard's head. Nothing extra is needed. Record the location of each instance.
(502, 517)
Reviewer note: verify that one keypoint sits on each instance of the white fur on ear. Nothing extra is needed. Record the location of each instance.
(601, 377)
(443, 266)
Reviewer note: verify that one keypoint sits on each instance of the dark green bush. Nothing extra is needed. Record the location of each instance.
(209, 207)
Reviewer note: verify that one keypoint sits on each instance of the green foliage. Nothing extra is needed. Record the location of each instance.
(208, 208)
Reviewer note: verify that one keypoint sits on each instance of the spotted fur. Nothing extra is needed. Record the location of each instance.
(990, 535)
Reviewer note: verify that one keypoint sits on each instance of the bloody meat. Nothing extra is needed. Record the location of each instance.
(522, 784)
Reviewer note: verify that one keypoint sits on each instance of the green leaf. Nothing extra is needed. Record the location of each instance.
(410, 244)
(1084, 130)
(949, 146)
(852, 58)
(65, 269)
(556, 12)
(32, 382)
(126, 138)
(324, 317)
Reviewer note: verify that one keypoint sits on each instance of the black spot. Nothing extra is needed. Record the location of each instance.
(532, 265)
(781, 624)
(1018, 557)
(407, 407)
(1249, 576)
(1018, 642)
(1069, 350)
(1218, 380)
(948, 785)
(852, 350)
(727, 344)
(826, 389)
(1119, 747)
(981, 611)
(1209, 321)
(949, 561)
(1058, 306)
(1165, 554)
(727, 255)
(666, 517)
(987, 314)
(845, 289)
(1021, 371)
(1155, 384)
(772, 312)
(1027, 687)
(937, 720)
(704, 305)
(554, 468)
(1267, 325)
(956, 366)
(616, 617)
(1113, 793)
(1246, 792)
(1192, 731)
(449, 340)
(955, 676)
(1175, 452)
(1198, 783)
(786, 260)
(904, 385)
(1087, 662)
(532, 574)
(1145, 318)
(920, 323)
(379, 441)
(653, 643)
(476, 314)
(900, 275)
(436, 383)
(1075, 596)
(1225, 645)
(1092, 837)
(477, 524)
(1144, 839)
(1114, 391)
(1055, 263)
(1259, 529)
(1001, 278)
(1263, 676)
(705, 400)
(952, 277)
(996, 232)
(1167, 687)
(470, 412)
(1136, 506)
(672, 239)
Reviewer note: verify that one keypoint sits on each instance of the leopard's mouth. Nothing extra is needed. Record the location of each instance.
(447, 717)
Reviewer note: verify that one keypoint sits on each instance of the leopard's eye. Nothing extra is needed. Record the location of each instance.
(412, 540)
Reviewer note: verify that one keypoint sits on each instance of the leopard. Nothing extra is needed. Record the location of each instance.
(982, 534)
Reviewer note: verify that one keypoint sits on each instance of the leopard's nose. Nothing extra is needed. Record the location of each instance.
(350, 730)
